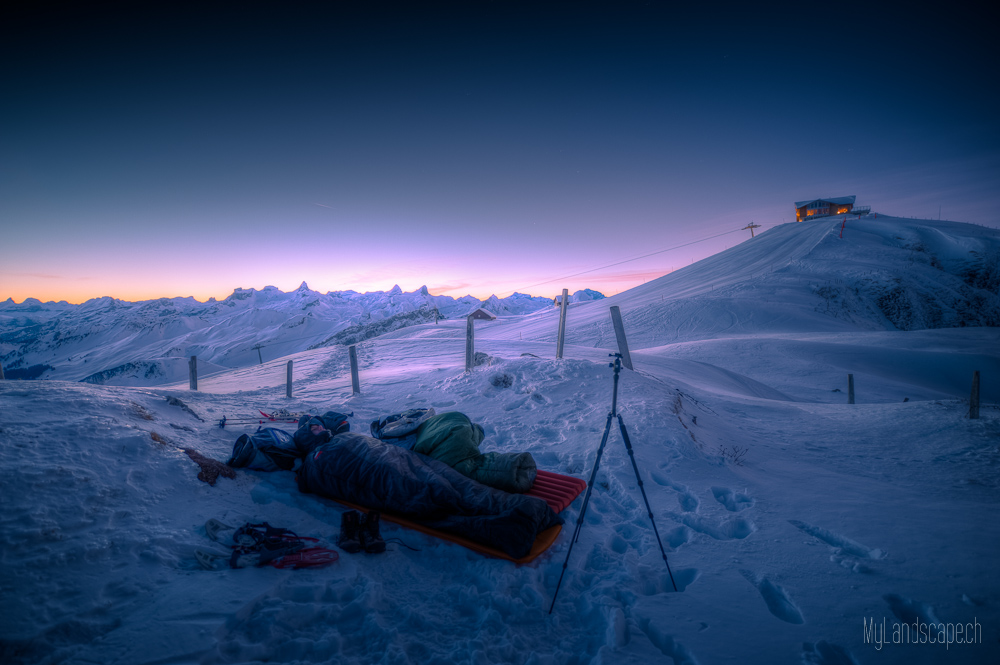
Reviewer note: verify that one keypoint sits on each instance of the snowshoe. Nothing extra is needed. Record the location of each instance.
(219, 561)
(260, 545)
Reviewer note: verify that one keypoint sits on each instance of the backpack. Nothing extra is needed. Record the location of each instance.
(267, 449)
(333, 422)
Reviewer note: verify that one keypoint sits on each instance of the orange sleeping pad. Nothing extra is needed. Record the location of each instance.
(555, 489)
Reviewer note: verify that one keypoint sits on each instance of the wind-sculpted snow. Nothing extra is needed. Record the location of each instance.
(103, 510)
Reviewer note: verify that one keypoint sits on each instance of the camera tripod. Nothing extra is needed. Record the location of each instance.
(617, 365)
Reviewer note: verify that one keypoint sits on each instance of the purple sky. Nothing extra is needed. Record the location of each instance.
(470, 147)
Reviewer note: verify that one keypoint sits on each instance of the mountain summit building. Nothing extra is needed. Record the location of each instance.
(824, 207)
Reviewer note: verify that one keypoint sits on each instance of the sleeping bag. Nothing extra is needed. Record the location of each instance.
(371, 473)
(454, 439)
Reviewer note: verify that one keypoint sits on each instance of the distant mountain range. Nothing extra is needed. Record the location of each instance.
(822, 276)
(110, 341)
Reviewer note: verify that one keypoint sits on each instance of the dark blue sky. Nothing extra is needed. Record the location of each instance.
(472, 147)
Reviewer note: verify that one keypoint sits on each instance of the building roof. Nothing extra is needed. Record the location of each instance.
(838, 201)
(482, 315)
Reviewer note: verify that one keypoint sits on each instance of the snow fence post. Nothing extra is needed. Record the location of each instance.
(562, 323)
(974, 398)
(616, 320)
(470, 343)
(193, 372)
(1, 373)
(850, 389)
(355, 382)
(288, 380)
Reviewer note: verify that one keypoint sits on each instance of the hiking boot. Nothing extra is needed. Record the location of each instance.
(350, 532)
(371, 539)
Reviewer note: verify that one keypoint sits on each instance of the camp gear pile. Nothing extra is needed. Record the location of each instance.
(454, 439)
(368, 472)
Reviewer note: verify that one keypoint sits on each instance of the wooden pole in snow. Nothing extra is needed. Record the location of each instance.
(1, 372)
(355, 382)
(470, 344)
(193, 372)
(850, 389)
(616, 321)
(562, 323)
(288, 380)
(974, 399)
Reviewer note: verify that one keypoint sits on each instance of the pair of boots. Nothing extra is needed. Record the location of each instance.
(360, 532)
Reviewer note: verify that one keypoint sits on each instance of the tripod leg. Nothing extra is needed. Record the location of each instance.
(649, 511)
(583, 509)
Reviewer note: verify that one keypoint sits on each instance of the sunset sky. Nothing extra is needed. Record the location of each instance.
(476, 148)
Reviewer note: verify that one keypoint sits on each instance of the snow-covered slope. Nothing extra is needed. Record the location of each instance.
(885, 273)
(794, 522)
(109, 341)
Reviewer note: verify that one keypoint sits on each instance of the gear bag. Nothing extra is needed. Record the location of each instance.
(267, 449)
(400, 429)
(332, 422)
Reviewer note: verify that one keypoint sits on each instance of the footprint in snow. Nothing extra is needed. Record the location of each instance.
(688, 501)
(842, 544)
(911, 611)
(732, 501)
(775, 597)
(735, 528)
(973, 601)
(684, 578)
(677, 537)
(651, 584)
(825, 653)
(667, 645)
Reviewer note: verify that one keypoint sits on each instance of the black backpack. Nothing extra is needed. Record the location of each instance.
(332, 422)
(267, 449)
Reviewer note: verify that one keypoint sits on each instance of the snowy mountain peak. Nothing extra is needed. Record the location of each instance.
(586, 294)
(148, 343)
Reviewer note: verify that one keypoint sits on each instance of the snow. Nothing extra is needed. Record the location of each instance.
(112, 342)
(792, 520)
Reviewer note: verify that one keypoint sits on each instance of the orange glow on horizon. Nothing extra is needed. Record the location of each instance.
(77, 293)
